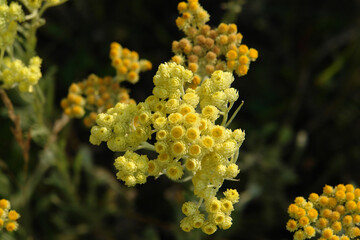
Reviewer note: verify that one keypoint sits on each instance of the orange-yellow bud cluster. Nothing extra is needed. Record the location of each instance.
(204, 50)
(127, 63)
(94, 94)
(239, 58)
(192, 15)
(335, 214)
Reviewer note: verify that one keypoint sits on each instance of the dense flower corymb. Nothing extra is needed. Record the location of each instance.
(185, 119)
(334, 215)
(187, 141)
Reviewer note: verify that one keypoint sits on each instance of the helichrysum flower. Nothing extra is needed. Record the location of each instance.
(8, 217)
(186, 133)
(335, 214)
(190, 95)
(16, 74)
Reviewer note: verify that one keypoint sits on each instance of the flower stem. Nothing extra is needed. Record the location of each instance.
(17, 131)
(147, 146)
(234, 114)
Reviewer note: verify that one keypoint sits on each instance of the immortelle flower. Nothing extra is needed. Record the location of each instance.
(335, 214)
(187, 114)
(8, 217)
(185, 134)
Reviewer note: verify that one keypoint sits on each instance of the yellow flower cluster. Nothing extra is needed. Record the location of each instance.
(10, 16)
(218, 213)
(205, 50)
(94, 94)
(182, 120)
(124, 127)
(132, 168)
(334, 215)
(127, 63)
(15, 73)
(8, 217)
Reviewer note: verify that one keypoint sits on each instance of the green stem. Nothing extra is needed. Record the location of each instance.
(234, 158)
(185, 179)
(200, 202)
(147, 146)
(38, 104)
(226, 114)
(2, 53)
(31, 15)
(234, 114)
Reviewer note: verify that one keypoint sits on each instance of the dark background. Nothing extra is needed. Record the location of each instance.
(301, 112)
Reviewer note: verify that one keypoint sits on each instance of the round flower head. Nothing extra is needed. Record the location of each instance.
(189, 208)
(174, 171)
(4, 204)
(232, 195)
(197, 220)
(185, 224)
(192, 134)
(210, 112)
(209, 228)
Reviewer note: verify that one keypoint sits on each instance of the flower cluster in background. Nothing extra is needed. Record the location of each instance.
(15, 73)
(127, 63)
(21, 68)
(11, 16)
(8, 217)
(96, 94)
(335, 214)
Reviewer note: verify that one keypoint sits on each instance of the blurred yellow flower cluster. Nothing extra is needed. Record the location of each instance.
(8, 217)
(13, 69)
(205, 50)
(334, 215)
(96, 94)
(11, 15)
(15, 73)
(127, 63)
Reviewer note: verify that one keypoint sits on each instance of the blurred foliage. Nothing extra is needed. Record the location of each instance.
(301, 117)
